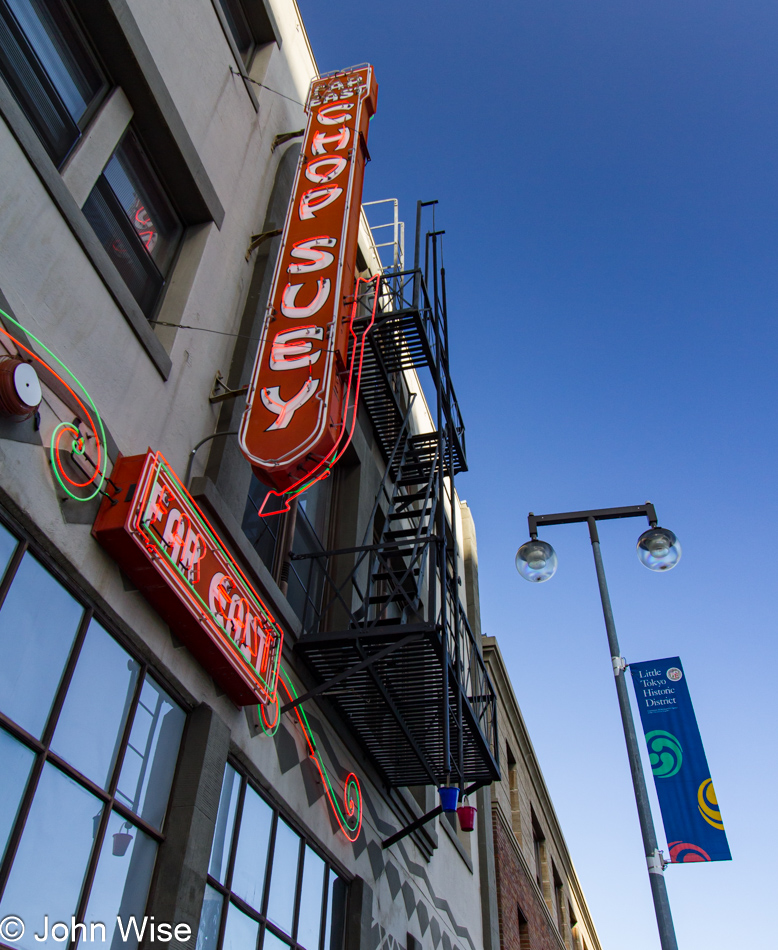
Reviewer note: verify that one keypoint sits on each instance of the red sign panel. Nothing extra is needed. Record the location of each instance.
(164, 543)
(296, 407)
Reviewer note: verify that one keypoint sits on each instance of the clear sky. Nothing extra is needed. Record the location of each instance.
(606, 173)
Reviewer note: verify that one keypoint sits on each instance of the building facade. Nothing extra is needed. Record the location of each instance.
(540, 903)
(148, 154)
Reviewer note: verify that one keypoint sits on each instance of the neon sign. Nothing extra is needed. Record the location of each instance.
(303, 392)
(68, 435)
(164, 543)
(349, 817)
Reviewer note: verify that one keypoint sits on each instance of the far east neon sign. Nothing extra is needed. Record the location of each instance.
(164, 543)
(301, 405)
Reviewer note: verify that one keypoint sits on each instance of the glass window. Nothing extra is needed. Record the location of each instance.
(91, 724)
(225, 822)
(150, 759)
(336, 914)
(306, 577)
(77, 847)
(16, 762)
(210, 918)
(248, 877)
(50, 69)
(121, 884)
(135, 221)
(241, 931)
(53, 854)
(309, 922)
(38, 624)
(239, 27)
(7, 547)
(260, 897)
(286, 859)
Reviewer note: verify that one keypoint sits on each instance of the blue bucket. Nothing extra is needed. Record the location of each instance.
(449, 798)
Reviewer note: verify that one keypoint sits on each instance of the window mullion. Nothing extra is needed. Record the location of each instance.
(67, 676)
(127, 732)
(13, 567)
(21, 820)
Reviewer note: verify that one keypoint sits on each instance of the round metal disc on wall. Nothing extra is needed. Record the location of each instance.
(20, 388)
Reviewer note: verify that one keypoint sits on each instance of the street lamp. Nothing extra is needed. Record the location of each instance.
(659, 550)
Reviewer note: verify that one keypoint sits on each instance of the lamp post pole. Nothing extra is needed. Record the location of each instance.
(653, 857)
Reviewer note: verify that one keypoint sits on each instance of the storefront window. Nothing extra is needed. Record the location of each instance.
(88, 747)
(267, 887)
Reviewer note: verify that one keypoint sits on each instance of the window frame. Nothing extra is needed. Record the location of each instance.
(41, 748)
(228, 896)
(97, 100)
(111, 199)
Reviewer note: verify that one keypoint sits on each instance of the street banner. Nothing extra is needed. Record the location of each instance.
(690, 810)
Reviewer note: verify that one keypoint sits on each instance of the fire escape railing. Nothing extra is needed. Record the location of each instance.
(392, 647)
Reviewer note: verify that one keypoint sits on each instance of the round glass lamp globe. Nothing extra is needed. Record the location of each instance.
(659, 549)
(536, 561)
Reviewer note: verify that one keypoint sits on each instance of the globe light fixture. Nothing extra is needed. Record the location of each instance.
(658, 549)
(536, 561)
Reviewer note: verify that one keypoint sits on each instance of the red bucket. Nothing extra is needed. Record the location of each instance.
(466, 817)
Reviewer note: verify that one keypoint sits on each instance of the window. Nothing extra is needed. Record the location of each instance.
(88, 747)
(538, 841)
(248, 25)
(135, 221)
(513, 786)
(306, 576)
(51, 71)
(524, 943)
(559, 901)
(267, 887)
(239, 26)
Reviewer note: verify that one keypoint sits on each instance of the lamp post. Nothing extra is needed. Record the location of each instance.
(658, 550)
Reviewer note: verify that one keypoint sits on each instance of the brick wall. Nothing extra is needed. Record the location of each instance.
(515, 890)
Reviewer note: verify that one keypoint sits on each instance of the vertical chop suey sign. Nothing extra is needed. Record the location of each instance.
(297, 397)
(164, 543)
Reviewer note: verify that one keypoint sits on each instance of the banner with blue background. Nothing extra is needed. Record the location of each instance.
(690, 811)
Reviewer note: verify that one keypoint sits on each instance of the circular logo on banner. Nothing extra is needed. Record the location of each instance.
(674, 674)
(664, 753)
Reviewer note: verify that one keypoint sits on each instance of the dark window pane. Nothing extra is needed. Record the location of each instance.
(60, 51)
(150, 759)
(124, 247)
(309, 923)
(210, 918)
(90, 726)
(7, 547)
(241, 931)
(336, 913)
(239, 27)
(121, 883)
(51, 72)
(144, 201)
(283, 880)
(38, 624)
(49, 868)
(225, 823)
(262, 533)
(16, 761)
(248, 877)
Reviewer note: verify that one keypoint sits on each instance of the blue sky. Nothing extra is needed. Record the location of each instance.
(607, 181)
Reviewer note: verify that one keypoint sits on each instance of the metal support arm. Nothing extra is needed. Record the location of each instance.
(414, 825)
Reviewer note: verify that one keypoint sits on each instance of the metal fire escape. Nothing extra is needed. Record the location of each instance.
(394, 650)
